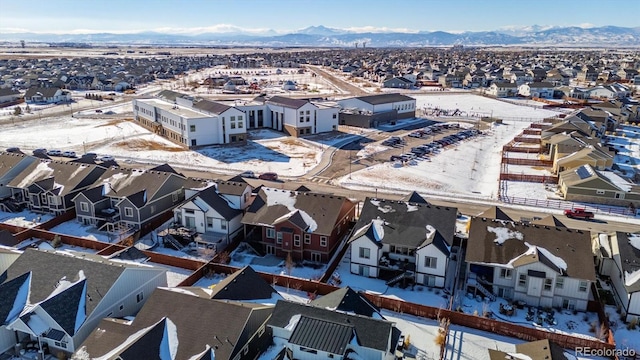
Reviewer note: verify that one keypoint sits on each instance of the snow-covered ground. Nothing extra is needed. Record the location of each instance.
(627, 141)
(24, 218)
(483, 106)
(470, 167)
(74, 228)
(243, 256)
(531, 190)
(624, 337)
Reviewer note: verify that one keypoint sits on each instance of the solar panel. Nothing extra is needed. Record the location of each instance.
(55, 334)
(583, 172)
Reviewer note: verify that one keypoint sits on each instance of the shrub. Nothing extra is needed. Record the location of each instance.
(56, 242)
(632, 324)
(439, 339)
(592, 327)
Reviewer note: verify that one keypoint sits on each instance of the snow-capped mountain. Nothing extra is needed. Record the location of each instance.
(330, 37)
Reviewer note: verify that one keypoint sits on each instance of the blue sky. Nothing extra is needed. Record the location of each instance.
(197, 16)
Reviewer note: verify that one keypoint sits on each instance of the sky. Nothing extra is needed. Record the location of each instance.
(198, 16)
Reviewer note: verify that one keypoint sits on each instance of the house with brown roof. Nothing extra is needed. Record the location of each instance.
(586, 184)
(535, 264)
(46, 95)
(11, 165)
(183, 325)
(307, 225)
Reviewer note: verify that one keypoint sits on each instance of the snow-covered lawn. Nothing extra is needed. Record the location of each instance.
(471, 167)
(187, 253)
(531, 190)
(624, 337)
(74, 228)
(482, 106)
(626, 140)
(175, 275)
(243, 256)
(578, 324)
(24, 218)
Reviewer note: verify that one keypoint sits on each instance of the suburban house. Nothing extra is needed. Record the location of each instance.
(503, 89)
(55, 300)
(11, 165)
(398, 83)
(173, 324)
(618, 258)
(50, 186)
(348, 301)
(214, 213)
(586, 184)
(537, 90)
(124, 199)
(310, 332)
(191, 123)
(9, 95)
(309, 226)
(612, 91)
(534, 350)
(535, 264)
(48, 95)
(398, 239)
(374, 110)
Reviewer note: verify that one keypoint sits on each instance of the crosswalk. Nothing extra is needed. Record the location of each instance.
(320, 180)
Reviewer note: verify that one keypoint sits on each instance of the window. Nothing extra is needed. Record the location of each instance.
(240, 124)
(121, 307)
(505, 273)
(365, 253)
(152, 209)
(139, 297)
(323, 241)
(335, 116)
(548, 283)
(430, 262)
(209, 222)
(53, 200)
(296, 240)
(559, 283)
(583, 286)
(84, 206)
(43, 198)
(223, 224)
(600, 192)
(307, 238)
(192, 128)
(271, 233)
(522, 280)
(128, 212)
(175, 197)
(261, 331)
(279, 237)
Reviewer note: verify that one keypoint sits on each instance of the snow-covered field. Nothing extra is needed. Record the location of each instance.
(24, 218)
(627, 141)
(624, 337)
(74, 228)
(482, 105)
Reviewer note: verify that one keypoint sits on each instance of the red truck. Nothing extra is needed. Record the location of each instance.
(578, 214)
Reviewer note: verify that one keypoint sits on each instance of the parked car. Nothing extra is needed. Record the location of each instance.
(54, 153)
(107, 158)
(40, 151)
(69, 154)
(13, 150)
(271, 176)
(91, 156)
(579, 214)
(248, 174)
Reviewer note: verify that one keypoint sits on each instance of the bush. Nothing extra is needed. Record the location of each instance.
(439, 339)
(56, 242)
(632, 324)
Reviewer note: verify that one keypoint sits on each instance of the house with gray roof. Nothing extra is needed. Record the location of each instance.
(534, 350)
(311, 332)
(537, 264)
(307, 225)
(46, 95)
(348, 301)
(214, 213)
(618, 258)
(58, 298)
(130, 198)
(395, 240)
(9, 95)
(49, 186)
(11, 165)
(179, 325)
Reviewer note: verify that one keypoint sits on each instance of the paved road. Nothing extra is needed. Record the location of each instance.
(346, 87)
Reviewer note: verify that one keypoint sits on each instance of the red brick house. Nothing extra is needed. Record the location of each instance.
(308, 225)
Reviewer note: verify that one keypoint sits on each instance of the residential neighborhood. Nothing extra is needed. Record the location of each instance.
(216, 200)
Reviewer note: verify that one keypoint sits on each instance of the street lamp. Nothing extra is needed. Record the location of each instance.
(349, 164)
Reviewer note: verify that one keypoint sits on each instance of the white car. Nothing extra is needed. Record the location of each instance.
(107, 158)
(54, 153)
(69, 154)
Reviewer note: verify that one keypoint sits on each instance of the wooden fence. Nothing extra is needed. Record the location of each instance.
(521, 149)
(530, 162)
(532, 131)
(527, 140)
(564, 205)
(545, 179)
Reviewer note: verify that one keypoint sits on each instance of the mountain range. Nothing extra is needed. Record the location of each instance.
(321, 36)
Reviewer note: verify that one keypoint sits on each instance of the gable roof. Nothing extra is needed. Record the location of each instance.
(48, 268)
(549, 220)
(211, 106)
(68, 307)
(319, 211)
(404, 223)
(287, 102)
(371, 333)
(66, 175)
(629, 259)
(9, 160)
(231, 187)
(513, 244)
(534, 350)
(244, 284)
(198, 323)
(45, 92)
(170, 95)
(414, 197)
(496, 213)
(349, 301)
(14, 296)
(384, 98)
(212, 198)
